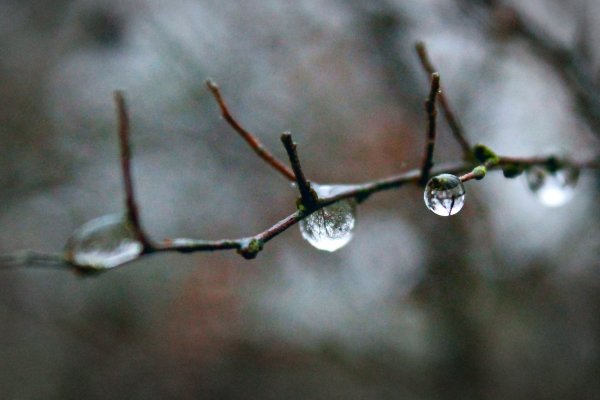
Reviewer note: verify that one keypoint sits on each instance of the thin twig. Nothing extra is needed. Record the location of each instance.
(250, 138)
(249, 247)
(125, 150)
(31, 258)
(309, 197)
(453, 122)
(359, 192)
(431, 128)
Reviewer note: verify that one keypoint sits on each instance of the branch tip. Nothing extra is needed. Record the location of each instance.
(308, 196)
(453, 122)
(252, 141)
(125, 155)
(431, 128)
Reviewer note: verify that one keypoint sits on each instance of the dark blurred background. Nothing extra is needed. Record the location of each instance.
(500, 301)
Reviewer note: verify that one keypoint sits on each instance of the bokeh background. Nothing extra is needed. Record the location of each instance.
(500, 301)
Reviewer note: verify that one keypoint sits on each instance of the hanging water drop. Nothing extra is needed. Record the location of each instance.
(552, 188)
(330, 228)
(103, 243)
(444, 195)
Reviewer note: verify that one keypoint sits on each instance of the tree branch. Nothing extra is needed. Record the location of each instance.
(453, 122)
(254, 143)
(431, 128)
(308, 196)
(31, 258)
(125, 153)
(250, 246)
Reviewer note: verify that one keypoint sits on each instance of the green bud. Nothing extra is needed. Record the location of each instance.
(479, 172)
(484, 154)
(553, 164)
(512, 170)
(251, 248)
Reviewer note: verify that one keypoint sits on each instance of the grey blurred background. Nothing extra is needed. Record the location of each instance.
(501, 301)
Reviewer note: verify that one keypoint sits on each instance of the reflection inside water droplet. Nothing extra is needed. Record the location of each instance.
(553, 189)
(103, 243)
(444, 195)
(330, 228)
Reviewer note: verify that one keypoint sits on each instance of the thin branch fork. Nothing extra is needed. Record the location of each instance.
(453, 122)
(125, 153)
(250, 246)
(431, 111)
(251, 139)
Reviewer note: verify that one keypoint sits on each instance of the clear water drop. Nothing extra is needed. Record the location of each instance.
(330, 228)
(103, 243)
(552, 188)
(444, 195)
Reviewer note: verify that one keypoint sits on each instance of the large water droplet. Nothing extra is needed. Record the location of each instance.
(103, 243)
(330, 228)
(444, 195)
(553, 188)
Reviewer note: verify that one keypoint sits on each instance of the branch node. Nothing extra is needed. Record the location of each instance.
(250, 248)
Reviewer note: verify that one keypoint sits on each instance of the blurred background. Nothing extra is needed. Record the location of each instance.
(500, 301)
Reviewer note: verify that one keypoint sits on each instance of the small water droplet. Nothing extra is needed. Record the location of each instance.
(552, 188)
(444, 195)
(330, 228)
(103, 243)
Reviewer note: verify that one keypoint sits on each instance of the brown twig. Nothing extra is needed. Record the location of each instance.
(359, 192)
(125, 153)
(308, 196)
(250, 138)
(453, 122)
(250, 246)
(431, 128)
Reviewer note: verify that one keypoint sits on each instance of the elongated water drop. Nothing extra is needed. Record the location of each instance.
(330, 228)
(444, 195)
(552, 188)
(103, 243)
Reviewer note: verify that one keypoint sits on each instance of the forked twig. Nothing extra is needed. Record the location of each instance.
(453, 122)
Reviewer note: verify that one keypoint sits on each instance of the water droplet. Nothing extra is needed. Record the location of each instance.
(330, 228)
(444, 195)
(103, 243)
(552, 188)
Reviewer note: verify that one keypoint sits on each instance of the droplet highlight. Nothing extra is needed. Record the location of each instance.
(103, 243)
(444, 195)
(330, 228)
(552, 188)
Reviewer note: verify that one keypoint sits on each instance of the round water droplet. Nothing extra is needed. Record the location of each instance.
(552, 188)
(444, 195)
(330, 228)
(103, 243)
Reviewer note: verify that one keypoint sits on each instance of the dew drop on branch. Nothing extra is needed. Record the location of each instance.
(552, 188)
(444, 195)
(103, 243)
(330, 228)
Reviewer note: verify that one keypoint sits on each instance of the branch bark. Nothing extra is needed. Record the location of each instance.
(431, 128)
(125, 156)
(453, 122)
